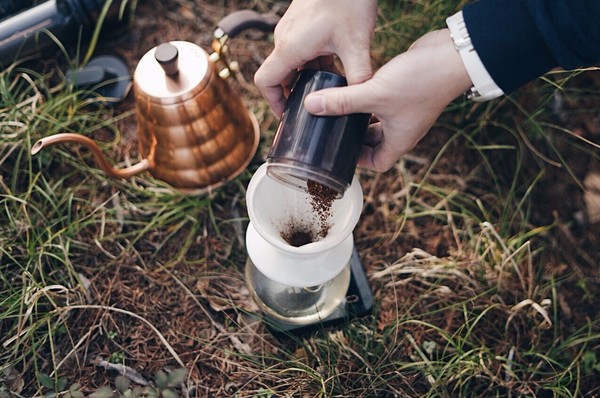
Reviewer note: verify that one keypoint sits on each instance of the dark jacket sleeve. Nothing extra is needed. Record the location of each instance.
(519, 40)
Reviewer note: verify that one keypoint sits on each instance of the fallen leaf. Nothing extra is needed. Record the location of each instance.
(591, 196)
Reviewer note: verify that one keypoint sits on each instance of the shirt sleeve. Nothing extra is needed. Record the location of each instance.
(519, 40)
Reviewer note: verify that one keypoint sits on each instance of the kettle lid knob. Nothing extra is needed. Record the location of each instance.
(172, 72)
(167, 55)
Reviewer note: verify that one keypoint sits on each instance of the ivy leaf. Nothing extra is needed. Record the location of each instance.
(589, 362)
(74, 387)
(177, 377)
(103, 392)
(46, 381)
(74, 391)
(169, 394)
(122, 383)
(61, 383)
(161, 379)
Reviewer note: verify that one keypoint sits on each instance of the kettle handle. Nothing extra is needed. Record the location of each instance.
(238, 21)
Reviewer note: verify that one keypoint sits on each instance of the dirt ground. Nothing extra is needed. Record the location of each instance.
(167, 302)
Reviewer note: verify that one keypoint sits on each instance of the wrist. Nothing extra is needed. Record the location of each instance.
(432, 73)
(445, 72)
(484, 88)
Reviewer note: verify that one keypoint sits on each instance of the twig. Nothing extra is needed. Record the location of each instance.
(136, 316)
(124, 370)
(242, 347)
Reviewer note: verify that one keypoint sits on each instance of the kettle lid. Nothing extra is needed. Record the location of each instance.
(172, 72)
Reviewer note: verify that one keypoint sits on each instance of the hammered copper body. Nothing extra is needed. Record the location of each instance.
(194, 132)
(192, 128)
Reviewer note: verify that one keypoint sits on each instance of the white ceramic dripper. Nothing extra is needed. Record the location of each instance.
(304, 284)
(271, 205)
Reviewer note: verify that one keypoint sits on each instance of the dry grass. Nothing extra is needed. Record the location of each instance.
(485, 278)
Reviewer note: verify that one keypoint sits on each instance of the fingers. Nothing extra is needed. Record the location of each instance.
(359, 98)
(357, 63)
(271, 79)
(358, 70)
(324, 62)
(275, 79)
(376, 154)
(374, 134)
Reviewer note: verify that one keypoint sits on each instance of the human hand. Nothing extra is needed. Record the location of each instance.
(406, 95)
(308, 34)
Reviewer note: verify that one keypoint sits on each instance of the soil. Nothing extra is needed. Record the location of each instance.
(165, 299)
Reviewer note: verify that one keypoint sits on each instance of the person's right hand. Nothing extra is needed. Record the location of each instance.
(311, 30)
(406, 95)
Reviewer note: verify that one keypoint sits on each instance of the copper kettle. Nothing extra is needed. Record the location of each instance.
(194, 131)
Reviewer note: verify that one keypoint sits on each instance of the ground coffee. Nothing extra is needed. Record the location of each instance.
(297, 234)
(322, 198)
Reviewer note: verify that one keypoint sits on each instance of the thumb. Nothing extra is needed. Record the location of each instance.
(340, 101)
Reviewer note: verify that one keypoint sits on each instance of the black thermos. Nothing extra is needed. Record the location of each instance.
(31, 32)
(9, 7)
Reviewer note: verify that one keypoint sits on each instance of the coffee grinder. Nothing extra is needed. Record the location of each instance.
(303, 269)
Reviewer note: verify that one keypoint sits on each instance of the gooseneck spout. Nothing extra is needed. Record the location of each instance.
(93, 147)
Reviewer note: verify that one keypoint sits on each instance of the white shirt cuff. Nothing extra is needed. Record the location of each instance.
(484, 88)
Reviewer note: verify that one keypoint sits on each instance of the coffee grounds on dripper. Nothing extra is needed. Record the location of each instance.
(297, 234)
(321, 199)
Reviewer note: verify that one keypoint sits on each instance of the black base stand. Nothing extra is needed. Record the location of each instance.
(359, 302)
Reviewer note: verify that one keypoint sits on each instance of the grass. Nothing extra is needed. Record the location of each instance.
(481, 287)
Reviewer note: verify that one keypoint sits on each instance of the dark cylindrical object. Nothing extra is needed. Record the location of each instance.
(166, 55)
(10, 7)
(32, 31)
(324, 149)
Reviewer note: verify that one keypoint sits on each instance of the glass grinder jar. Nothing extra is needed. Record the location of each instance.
(324, 149)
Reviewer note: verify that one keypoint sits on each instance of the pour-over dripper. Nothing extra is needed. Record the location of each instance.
(273, 206)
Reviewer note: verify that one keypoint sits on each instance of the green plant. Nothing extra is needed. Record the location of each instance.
(482, 287)
(58, 387)
(165, 387)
